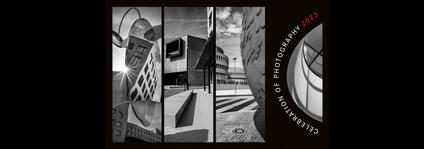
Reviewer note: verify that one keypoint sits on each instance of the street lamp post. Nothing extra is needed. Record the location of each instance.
(235, 73)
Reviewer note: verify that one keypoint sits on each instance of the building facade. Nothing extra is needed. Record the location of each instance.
(123, 131)
(225, 75)
(182, 55)
(221, 67)
(142, 60)
(237, 77)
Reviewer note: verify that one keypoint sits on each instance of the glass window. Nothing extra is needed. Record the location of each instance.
(143, 88)
(140, 80)
(313, 59)
(133, 94)
(138, 98)
(148, 76)
(146, 68)
(130, 45)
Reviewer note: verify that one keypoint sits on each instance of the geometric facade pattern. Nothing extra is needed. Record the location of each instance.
(146, 83)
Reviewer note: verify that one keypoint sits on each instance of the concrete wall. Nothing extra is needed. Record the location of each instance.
(119, 122)
(176, 64)
(194, 49)
(186, 63)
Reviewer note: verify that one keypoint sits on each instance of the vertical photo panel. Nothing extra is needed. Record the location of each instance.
(188, 74)
(240, 74)
(137, 74)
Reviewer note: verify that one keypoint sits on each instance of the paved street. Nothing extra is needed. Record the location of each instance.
(235, 103)
(234, 119)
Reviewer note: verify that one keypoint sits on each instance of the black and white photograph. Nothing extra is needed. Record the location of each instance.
(304, 74)
(246, 74)
(137, 74)
(188, 74)
(240, 74)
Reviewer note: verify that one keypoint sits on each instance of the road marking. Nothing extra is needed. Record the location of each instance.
(220, 110)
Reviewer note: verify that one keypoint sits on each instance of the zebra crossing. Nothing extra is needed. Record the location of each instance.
(234, 104)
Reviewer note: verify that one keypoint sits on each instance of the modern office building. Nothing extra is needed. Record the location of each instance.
(189, 60)
(124, 131)
(221, 67)
(237, 77)
(142, 62)
(225, 75)
(184, 64)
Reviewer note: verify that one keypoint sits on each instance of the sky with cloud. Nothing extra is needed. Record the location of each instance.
(152, 14)
(228, 30)
(181, 21)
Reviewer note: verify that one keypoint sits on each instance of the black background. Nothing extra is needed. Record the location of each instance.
(58, 66)
(281, 17)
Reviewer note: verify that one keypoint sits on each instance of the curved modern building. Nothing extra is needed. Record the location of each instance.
(221, 67)
(253, 51)
(304, 74)
(252, 46)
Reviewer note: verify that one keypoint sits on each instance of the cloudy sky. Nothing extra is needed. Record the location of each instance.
(181, 21)
(152, 14)
(228, 30)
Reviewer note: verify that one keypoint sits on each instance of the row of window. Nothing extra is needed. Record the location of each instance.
(151, 83)
(221, 66)
(142, 134)
(221, 58)
(240, 82)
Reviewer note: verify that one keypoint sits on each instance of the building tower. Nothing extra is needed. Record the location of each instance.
(221, 67)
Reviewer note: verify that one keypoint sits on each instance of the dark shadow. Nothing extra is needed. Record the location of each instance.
(200, 135)
(241, 106)
(188, 115)
(259, 120)
(229, 103)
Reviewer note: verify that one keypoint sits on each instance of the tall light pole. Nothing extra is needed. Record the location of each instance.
(235, 70)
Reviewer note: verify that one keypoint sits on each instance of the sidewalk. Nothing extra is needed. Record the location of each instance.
(240, 92)
(237, 127)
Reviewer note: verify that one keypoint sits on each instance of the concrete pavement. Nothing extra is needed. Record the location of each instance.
(235, 119)
(196, 123)
(237, 127)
